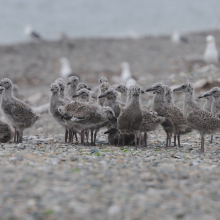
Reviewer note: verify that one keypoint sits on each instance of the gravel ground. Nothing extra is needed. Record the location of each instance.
(44, 178)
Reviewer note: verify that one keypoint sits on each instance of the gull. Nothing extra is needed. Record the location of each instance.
(28, 30)
(211, 55)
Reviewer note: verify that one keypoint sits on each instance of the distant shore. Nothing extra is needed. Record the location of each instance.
(36, 63)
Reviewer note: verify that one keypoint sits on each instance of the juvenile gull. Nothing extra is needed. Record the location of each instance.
(202, 121)
(61, 83)
(130, 118)
(55, 102)
(102, 89)
(83, 95)
(103, 79)
(211, 55)
(169, 99)
(84, 116)
(175, 122)
(71, 86)
(114, 137)
(111, 100)
(19, 114)
(6, 132)
(82, 86)
(212, 103)
(124, 92)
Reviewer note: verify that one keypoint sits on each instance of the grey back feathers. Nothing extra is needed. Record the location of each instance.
(130, 118)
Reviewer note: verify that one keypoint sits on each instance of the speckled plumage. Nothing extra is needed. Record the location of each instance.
(6, 132)
(83, 95)
(82, 86)
(175, 122)
(124, 92)
(202, 121)
(111, 100)
(150, 121)
(169, 99)
(130, 118)
(16, 112)
(82, 116)
(103, 79)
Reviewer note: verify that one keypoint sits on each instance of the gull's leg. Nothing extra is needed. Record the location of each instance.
(135, 141)
(87, 136)
(122, 137)
(21, 137)
(202, 144)
(91, 137)
(95, 137)
(82, 137)
(170, 139)
(66, 135)
(18, 137)
(167, 139)
(211, 138)
(145, 139)
(119, 138)
(174, 140)
(15, 136)
(74, 133)
(139, 142)
(70, 136)
(178, 140)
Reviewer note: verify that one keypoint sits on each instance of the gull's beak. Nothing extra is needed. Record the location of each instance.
(150, 89)
(205, 95)
(107, 132)
(74, 96)
(177, 89)
(102, 96)
(202, 96)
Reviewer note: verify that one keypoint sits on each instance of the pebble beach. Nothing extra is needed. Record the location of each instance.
(45, 178)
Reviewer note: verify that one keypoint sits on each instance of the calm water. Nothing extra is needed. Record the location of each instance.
(85, 18)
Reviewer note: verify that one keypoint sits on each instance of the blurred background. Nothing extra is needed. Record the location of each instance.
(102, 18)
(96, 36)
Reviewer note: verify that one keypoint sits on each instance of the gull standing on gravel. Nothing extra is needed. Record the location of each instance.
(130, 118)
(28, 30)
(202, 121)
(211, 55)
(55, 102)
(177, 38)
(6, 132)
(19, 114)
(85, 116)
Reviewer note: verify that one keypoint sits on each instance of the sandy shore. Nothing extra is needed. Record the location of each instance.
(43, 178)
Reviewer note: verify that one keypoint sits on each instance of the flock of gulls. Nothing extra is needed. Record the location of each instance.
(117, 108)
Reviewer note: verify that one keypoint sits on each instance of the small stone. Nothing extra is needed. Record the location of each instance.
(72, 158)
(114, 210)
(93, 150)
